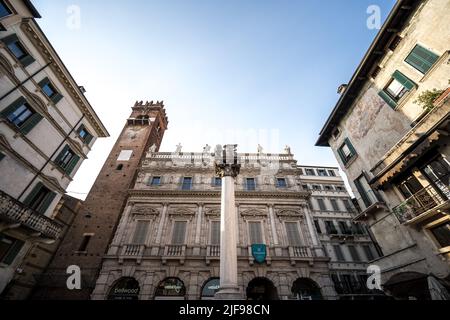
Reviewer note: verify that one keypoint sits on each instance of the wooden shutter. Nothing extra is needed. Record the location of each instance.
(404, 80)
(215, 232)
(61, 154)
(368, 252)
(421, 58)
(72, 163)
(350, 146)
(387, 98)
(30, 123)
(179, 232)
(321, 204)
(362, 192)
(88, 138)
(338, 252)
(10, 39)
(13, 252)
(33, 194)
(13, 107)
(341, 155)
(46, 202)
(140, 234)
(293, 234)
(255, 233)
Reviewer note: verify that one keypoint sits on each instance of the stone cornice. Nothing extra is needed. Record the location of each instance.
(44, 47)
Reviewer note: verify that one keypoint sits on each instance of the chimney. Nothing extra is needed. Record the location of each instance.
(341, 89)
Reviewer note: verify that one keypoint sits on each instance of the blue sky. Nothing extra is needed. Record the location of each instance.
(228, 71)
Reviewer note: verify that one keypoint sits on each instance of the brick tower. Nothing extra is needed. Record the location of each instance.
(87, 240)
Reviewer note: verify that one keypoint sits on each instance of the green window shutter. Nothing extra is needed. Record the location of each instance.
(30, 123)
(421, 58)
(27, 60)
(56, 98)
(404, 80)
(46, 202)
(13, 106)
(391, 102)
(43, 82)
(88, 138)
(10, 39)
(73, 162)
(61, 154)
(341, 155)
(13, 252)
(33, 194)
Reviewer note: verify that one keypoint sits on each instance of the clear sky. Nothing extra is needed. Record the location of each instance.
(229, 71)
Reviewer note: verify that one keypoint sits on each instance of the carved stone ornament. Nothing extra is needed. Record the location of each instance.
(227, 170)
(143, 210)
(289, 213)
(253, 213)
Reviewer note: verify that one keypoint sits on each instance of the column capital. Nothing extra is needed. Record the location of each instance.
(227, 170)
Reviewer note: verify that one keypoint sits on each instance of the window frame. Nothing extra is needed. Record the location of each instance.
(7, 9)
(152, 181)
(430, 234)
(13, 39)
(299, 233)
(184, 184)
(261, 229)
(344, 158)
(411, 52)
(172, 233)
(278, 179)
(247, 185)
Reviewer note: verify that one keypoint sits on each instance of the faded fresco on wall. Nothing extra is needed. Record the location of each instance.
(374, 127)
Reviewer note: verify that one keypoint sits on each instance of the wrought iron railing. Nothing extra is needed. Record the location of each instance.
(14, 212)
(420, 202)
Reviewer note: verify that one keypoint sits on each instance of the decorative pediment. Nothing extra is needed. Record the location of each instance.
(143, 210)
(289, 213)
(182, 212)
(212, 212)
(253, 213)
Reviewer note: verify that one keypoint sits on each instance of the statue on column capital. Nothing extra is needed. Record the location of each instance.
(226, 163)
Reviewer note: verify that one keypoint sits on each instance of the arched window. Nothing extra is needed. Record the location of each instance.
(126, 288)
(306, 289)
(170, 288)
(210, 288)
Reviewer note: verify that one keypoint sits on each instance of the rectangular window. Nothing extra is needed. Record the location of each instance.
(357, 228)
(4, 10)
(125, 155)
(344, 227)
(442, 234)
(18, 50)
(330, 227)
(140, 233)
(322, 172)
(346, 151)
(215, 233)
(421, 59)
(368, 252)
(293, 234)
(40, 198)
(340, 188)
(321, 204)
(84, 135)
(305, 186)
(347, 205)
(396, 88)
(338, 253)
(281, 183)
(317, 225)
(354, 253)
(20, 114)
(334, 204)
(328, 188)
(364, 190)
(9, 249)
(331, 173)
(310, 172)
(255, 232)
(85, 242)
(217, 181)
(250, 184)
(187, 183)
(156, 181)
(50, 91)
(179, 232)
(67, 159)
(316, 187)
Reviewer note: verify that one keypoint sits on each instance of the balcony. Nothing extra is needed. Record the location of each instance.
(18, 215)
(354, 288)
(174, 252)
(369, 203)
(212, 253)
(423, 203)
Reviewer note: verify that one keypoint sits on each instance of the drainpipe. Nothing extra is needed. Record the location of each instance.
(49, 159)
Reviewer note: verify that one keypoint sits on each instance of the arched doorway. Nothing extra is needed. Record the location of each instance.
(170, 289)
(125, 288)
(261, 289)
(306, 289)
(210, 288)
(408, 285)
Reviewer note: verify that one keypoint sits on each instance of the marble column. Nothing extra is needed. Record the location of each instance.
(155, 250)
(278, 251)
(196, 250)
(229, 289)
